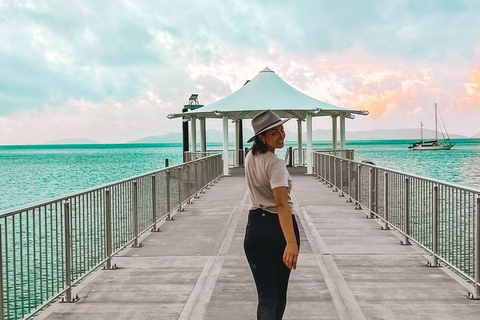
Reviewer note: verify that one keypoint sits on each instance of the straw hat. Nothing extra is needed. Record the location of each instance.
(264, 121)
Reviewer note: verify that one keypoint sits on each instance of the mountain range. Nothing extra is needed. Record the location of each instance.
(73, 141)
(214, 135)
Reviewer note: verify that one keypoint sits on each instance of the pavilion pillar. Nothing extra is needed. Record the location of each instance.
(203, 135)
(299, 133)
(225, 146)
(194, 133)
(309, 145)
(334, 132)
(237, 143)
(240, 142)
(342, 132)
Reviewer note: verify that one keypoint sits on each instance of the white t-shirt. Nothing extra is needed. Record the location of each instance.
(264, 172)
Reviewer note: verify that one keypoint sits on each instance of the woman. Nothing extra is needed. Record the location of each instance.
(271, 239)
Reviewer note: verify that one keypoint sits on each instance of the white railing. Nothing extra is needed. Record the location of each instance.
(442, 218)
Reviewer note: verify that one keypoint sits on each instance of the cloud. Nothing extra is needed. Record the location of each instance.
(393, 58)
(108, 122)
(472, 87)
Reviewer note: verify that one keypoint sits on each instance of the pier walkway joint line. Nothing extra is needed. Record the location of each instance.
(195, 267)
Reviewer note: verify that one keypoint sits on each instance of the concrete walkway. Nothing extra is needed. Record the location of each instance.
(196, 269)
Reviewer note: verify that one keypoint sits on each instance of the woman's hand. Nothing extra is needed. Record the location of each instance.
(290, 255)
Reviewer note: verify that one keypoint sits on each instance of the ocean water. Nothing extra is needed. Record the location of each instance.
(30, 174)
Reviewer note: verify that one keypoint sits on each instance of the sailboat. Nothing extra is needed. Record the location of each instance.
(446, 144)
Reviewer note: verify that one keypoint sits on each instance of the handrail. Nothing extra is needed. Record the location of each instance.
(48, 247)
(348, 154)
(440, 217)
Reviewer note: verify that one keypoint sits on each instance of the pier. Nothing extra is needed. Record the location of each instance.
(195, 268)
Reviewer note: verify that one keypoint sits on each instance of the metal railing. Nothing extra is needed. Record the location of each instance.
(442, 218)
(343, 153)
(191, 155)
(47, 248)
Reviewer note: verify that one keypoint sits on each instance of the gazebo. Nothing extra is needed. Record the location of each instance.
(267, 91)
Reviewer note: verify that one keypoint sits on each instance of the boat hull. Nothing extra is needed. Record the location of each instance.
(440, 147)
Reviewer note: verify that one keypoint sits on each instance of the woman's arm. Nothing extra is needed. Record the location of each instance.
(290, 255)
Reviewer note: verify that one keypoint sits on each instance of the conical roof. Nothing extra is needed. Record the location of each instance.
(268, 91)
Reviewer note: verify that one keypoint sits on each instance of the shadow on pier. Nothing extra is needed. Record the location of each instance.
(195, 267)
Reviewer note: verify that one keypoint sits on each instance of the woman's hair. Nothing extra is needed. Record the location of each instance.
(259, 146)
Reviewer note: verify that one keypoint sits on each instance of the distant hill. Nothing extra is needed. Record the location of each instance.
(73, 141)
(213, 135)
(396, 134)
(476, 136)
(380, 134)
(216, 136)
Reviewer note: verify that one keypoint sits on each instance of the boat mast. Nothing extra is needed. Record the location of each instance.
(436, 122)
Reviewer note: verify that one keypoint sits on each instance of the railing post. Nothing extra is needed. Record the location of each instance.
(135, 215)
(180, 189)
(342, 194)
(154, 205)
(2, 306)
(349, 178)
(211, 170)
(370, 193)
(325, 171)
(385, 201)
(68, 253)
(169, 216)
(406, 227)
(67, 241)
(435, 235)
(202, 177)
(335, 182)
(358, 192)
(196, 180)
(330, 171)
(476, 294)
(188, 185)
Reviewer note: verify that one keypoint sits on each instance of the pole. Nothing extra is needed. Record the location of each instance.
(240, 141)
(476, 294)
(299, 135)
(406, 226)
(67, 241)
(358, 206)
(309, 144)
(169, 217)
(185, 134)
(154, 205)
(135, 215)
(180, 189)
(370, 193)
(385, 201)
(434, 226)
(2, 310)
(225, 146)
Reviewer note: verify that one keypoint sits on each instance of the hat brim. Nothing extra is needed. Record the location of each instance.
(273, 125)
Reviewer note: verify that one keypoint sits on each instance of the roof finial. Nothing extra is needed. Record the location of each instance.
(267, 69)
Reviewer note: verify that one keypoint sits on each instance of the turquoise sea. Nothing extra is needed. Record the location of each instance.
(30, 174)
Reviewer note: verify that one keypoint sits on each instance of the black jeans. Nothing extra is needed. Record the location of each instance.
(264, 246)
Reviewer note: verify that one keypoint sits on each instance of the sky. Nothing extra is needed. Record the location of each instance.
(112, 71)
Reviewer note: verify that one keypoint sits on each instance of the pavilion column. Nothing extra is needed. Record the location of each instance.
(240, 142)
(225, 146)
(300, 151)
(203, 135)
(194, 133)
(309, 145)
(237, 143)
(334, 132)
(342, 132)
